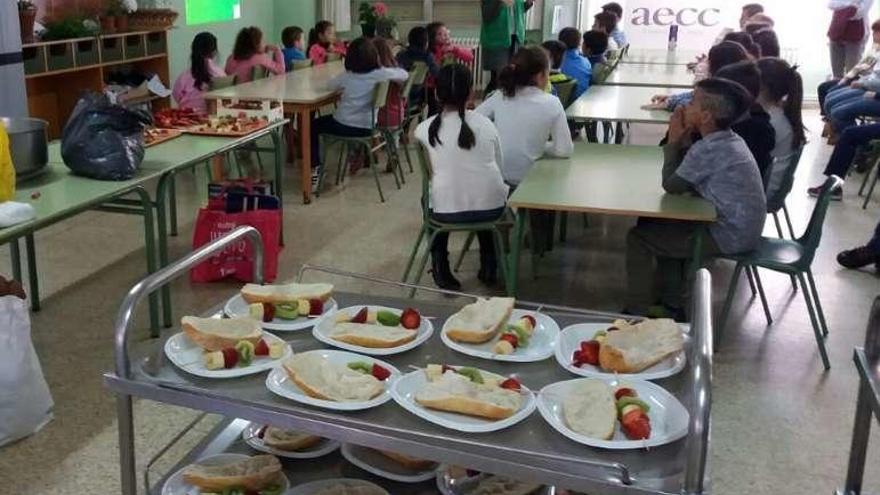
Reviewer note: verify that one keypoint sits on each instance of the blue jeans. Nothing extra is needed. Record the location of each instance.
(844, 106)
(874, 243)
(825, 89)
(845, 150)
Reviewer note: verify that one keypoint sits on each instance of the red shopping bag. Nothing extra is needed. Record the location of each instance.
(236, 261)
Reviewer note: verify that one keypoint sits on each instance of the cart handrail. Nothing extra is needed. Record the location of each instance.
(169, 273)
(872, 333)
(700, 384)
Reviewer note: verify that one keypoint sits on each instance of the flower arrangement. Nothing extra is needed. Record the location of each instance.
(371, 15)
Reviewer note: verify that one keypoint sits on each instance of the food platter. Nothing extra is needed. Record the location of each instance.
(237, 307)
(323, 331)
(542, 343)
(251, 436)
(187, 356)
(155, 135)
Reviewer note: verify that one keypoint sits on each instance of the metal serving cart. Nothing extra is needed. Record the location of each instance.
(530, 451)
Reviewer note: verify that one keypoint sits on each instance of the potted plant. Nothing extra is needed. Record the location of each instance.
(27, 16)
(372, 15)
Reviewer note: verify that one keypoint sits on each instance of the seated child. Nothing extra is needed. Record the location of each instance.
(595, 46)
(417, 51)
(322, 43)
(606, 22)
(617, 35)
(391, 115)
(250, 52)
(574, 64)
(556, 50)
(292, 39)
(190, 87)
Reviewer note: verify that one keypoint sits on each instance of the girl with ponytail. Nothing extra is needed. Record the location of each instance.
(530, 121)
(782, 96)
(191, 85)
(322, 42)
(466, 182)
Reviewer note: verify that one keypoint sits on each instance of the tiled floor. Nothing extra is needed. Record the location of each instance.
(781, 425)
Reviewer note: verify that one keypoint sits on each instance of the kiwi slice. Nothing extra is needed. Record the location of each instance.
(625, 401)
(387, 318)
(361, 366)
(472, 373)
(286, 311)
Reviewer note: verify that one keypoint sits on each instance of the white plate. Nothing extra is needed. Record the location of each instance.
(314, 486)
(570, 340)
(250, 437)
(324, 329)
(187, 356)
(463, 486)
(175, 485)
(237, 307)
(279, 383)
(406, 387)
(669, 418)
(374, 462)
(540, 347)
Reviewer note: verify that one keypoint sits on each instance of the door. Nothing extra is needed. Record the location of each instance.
(13, 98)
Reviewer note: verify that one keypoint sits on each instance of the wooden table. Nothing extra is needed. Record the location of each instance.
(606, 179)
(302, 92)
(659, 56)
(667, 76)
(619, 104)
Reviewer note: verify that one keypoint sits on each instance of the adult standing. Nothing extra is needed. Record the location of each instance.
(847, 33)
(502, 31)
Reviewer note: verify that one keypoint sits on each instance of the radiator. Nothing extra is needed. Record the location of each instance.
(481, 77)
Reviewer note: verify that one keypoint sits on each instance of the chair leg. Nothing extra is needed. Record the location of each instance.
(819, 311)
(172, 205)
(563, 226)
(778, 224)
(871, 189)
(751, 280)
(424, 263)
(731, 290)
(867, 177)
(374, 166)
(816, 330)
(408, 158)
(340, 166)
(467, 246)
(415, 250)
(788, 221)
(767, 315)
(499, 254)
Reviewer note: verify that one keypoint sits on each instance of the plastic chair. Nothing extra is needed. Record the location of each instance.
(222, 82)
(300, 64)
(412, 112)
(380, 96)
(874, 147)
(430, 227)
(792, 257)
(565, 91)
(778, 182)
(333, 57)
(259, 72)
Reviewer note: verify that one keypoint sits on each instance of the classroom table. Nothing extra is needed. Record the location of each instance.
(58, 194)
(667, 76)
(302, 92)
(604, 179)
(619, 104)
(659, 56)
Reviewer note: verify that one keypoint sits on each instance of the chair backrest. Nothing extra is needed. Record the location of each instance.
(222, 82)
(300, 64)
(601, 72)
(333, 57)
(779, 179)
(258, 72)
(813, 233)
(417, 77)
(380, 98)
(424, 159)
(564, 91)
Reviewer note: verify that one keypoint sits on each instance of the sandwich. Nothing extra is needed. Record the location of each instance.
(288, 440)
(480, 321)
(409, 462)
(470, 391)
(261, 474)
(285, 293)
(323, 379)
(381, 329)
(212, 334)
(589, 409)
(634, 348)
(502, 485)
(351, 488)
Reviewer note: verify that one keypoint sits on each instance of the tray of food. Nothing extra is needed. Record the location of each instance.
(156, 135)
(375, 330)
(229, 126)
(290, 444)
(178, 118)
(229, 474)
(283, 307)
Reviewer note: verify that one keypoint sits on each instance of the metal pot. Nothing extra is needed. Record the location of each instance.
(28, 145)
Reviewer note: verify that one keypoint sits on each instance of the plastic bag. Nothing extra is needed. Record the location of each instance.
(7, 170)
(25, 401)
(104, 141)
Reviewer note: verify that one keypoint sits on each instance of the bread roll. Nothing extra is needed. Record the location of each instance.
(213, 334)
(635, 348)
(287, 293)
(322, 379)
(351, 488)
(589, 409)
(409, 462)
(502, 485)
(253, 473)
(480, 321)
(457, 393)
(373, 336)
(289, 440)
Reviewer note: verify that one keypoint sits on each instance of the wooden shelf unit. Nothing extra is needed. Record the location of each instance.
(58, 72)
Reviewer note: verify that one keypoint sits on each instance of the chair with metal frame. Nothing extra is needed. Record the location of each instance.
(778, 182)
(300, 64)
(380, 97)
(791, 257)
(412, 112)
(259, 72)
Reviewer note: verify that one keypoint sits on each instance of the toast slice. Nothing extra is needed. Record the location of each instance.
(286, 293)
(253, 473)
(373, 336)
(638, 347)
(289, 440)
(213, 334)
(456, 393)
(590, 409)
(322, 379)
(409, 462)
(480, 321)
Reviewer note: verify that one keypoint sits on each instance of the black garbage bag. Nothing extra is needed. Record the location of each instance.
(104, 141)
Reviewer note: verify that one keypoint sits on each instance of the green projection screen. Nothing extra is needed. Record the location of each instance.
(205, 11)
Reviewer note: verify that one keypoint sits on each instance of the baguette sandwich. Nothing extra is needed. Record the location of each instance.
(372, 335)
(469, 391)
(285, 294)
(254, 473)
(351, 488)
(634, 348)
(590, 410)
(479, 322)
(409, 462)
(212, 334)
(323, 379)
(289, 440)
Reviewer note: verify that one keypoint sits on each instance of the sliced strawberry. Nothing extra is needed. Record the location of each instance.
(512, 338)
(316, 307)
(636, 425)
(268, 312)
(261, 349)
(531, 320)
(624, 392)
(361, 316)
(380, 373)
(444, 368)
(230, 357)
(578, 359)
(590, 351)
(511, 384)
(410, 319)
